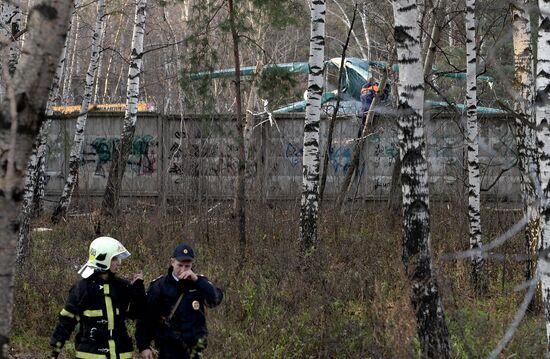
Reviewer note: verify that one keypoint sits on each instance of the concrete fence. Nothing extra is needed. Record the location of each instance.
(198, 156)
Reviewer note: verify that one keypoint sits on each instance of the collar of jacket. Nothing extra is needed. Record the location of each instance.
(97, 278)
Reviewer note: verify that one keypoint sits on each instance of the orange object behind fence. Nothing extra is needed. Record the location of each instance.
(108, 107)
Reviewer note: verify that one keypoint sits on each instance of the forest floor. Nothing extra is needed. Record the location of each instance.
(351, 302)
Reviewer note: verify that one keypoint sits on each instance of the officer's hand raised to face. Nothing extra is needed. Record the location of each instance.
(147, 354)
(189, 275)
(137, 276)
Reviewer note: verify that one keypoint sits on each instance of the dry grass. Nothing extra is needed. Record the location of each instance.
(351, 303)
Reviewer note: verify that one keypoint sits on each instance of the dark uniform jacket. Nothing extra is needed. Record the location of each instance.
(101, 308)
(188, 324)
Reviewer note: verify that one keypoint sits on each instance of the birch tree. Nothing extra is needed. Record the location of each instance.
(123, 21)
(474, 186)
(100, 61)
(37, 160)
(68, 78)
(432, 329)
(122, 150)
(311, 158)
(241, 167)
(10, 19)
(364, 21)
(21, 117)
(542, 108)
(74, 158)
(525, 134)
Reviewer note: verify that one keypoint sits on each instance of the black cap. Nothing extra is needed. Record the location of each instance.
(183, 252)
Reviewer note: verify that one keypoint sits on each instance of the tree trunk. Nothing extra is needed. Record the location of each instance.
(525, 134)
(30, 84)
(542, 107)
(477, 276)
(122, 150)
(123, 20)
(68, 80)
(240, 185)
(249, 117)
(74, 158)
(35, 168)
(364, 21)
(434, 38)
(356, 156)
(311, 160)
(432, 329)
(328, 148)
(181, 100)
(99, 62)
(10, 21)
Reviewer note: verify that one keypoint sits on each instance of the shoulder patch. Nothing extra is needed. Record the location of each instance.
(157, 278)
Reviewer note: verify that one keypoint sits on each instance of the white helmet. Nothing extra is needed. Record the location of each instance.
(102, 251)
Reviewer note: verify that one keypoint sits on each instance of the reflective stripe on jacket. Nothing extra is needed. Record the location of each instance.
(101, 307)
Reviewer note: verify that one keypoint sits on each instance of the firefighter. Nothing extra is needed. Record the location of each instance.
(175, 316)
(101, 302)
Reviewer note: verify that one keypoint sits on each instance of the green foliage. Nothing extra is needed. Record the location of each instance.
(199, 57)
(209, 27)
(277, 84)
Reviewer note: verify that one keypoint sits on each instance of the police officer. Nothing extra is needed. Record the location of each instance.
(101, 302)
(175, 316)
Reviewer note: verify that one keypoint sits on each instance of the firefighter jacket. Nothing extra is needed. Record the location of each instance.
(100, 307)
(188, 324)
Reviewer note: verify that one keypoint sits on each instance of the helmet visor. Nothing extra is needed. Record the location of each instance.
(86, 271)
(123, 255)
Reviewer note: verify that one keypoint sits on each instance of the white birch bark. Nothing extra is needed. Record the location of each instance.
(474, 185)
(311, 157)
(47, 27)
(364, 21)
(76, 149)
(525, 134)
(178, 65)
(432, 329)
(36, 166)
(122, 151)
(542, 104)
(249, 119)
(10, 21)
(68, 80)
(100, 61)
(122, 21)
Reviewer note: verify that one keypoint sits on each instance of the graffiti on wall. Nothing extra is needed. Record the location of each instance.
(142, 160)
(294, 153)
(340, 157)
(202, 156)
(194, 151)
